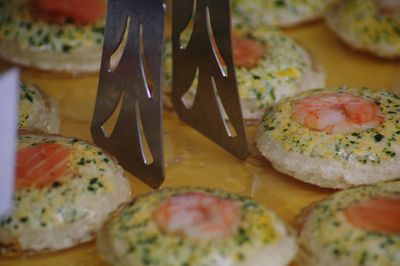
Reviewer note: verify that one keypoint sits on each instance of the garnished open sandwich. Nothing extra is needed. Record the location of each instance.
(196, 226)
(65, 190)
(359, 226)
(52, 35)
(368, 25)
(337, 138)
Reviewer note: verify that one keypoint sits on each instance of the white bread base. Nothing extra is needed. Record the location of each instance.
(325, 172)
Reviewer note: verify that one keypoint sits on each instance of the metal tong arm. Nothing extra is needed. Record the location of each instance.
(136, 82)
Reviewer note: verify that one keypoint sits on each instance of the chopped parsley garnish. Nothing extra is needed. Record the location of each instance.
(378, 137)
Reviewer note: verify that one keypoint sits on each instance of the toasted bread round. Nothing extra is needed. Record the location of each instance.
(282, 13)
(32, 42)
(329, 234)
(362, 25)
(333, 160)
(65, 190)
(138, 236)
(285, 69)
(37, 111)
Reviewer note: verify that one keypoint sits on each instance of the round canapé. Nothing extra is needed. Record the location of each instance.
(53, 35)
(282, 13)
(269, 66)
(359, 226)
(65, 190)
(37, 111)
(368, 25)
(196, 226)
(337, 138)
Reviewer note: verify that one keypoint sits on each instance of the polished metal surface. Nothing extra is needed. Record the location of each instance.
(134, 86)
(207, 61)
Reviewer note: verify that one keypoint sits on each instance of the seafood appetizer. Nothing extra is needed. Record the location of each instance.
(53, 35)
(368, 25)
(65, 190)
(359, 226)
(37, 111)
(337, 138)
(282, 13)
(196, 226)
(269, 67)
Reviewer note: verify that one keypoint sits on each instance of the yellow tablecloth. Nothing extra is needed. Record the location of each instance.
(191, 159)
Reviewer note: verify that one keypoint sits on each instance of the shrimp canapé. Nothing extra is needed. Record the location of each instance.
(339, 113)
(246, 52)
(198, 216)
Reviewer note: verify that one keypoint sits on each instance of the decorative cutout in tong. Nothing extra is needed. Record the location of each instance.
(129, 94)
(204, 66)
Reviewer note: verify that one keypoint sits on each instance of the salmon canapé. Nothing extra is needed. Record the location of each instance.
(65, 190)
(339, 113)
(378, 214)
(77, 11)
(41, 165)
(353, 227)
(198, 216)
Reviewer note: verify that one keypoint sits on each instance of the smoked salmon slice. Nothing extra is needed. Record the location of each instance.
(81, 12)
(380, 214)
(40, 165)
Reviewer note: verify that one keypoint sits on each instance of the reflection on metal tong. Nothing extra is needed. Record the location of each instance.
(131, 90)
(206, 59)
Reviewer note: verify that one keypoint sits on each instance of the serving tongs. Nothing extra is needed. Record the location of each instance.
(134, 87)
(207, 60)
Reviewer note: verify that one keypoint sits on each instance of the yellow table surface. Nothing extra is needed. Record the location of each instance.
(193, 160)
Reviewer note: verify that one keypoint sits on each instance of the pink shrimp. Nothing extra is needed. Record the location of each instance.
(198, 216)
(339, 113)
